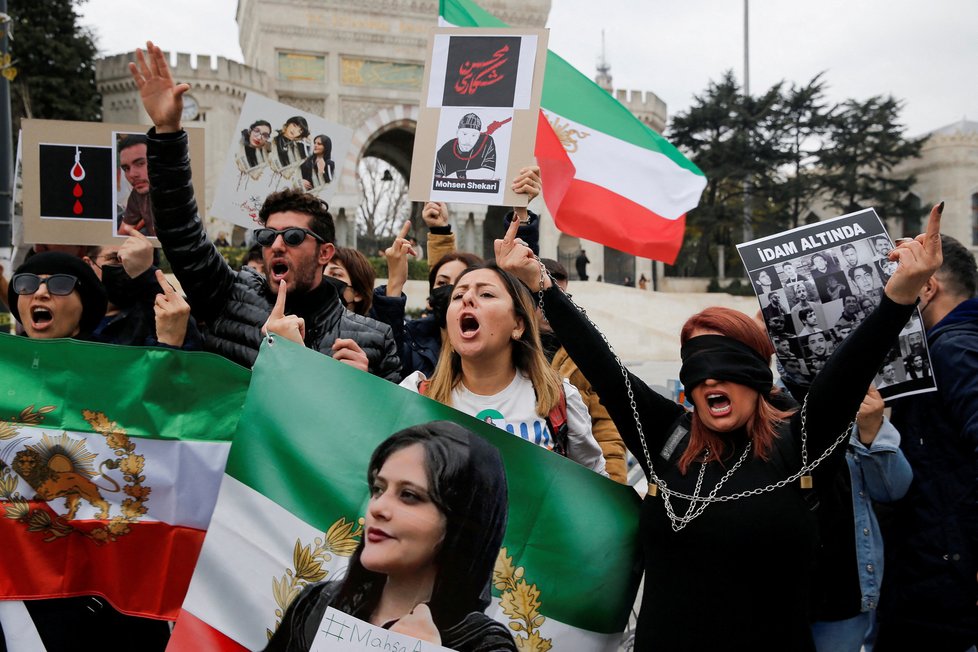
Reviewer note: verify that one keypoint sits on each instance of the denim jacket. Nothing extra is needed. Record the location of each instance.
(879, 473)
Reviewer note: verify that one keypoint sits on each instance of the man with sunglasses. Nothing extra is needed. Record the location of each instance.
(297, 243)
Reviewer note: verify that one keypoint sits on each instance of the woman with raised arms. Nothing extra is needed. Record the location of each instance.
(727, 529)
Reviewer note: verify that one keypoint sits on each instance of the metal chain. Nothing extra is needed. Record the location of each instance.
(701, 502)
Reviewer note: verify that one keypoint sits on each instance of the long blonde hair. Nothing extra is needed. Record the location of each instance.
(527, 352)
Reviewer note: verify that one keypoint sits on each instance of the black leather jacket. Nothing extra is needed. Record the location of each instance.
(235, 305)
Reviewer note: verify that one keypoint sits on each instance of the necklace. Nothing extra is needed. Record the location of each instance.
(698, 503)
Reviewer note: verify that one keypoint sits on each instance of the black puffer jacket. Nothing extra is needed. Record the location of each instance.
(235, 305)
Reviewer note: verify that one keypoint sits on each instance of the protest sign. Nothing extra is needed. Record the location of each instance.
(816, 283)
(292, 505)
(277, 146)
(86, 183)
(110, 462)
(477, 123)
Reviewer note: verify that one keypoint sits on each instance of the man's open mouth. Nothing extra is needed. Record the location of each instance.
(279, 270)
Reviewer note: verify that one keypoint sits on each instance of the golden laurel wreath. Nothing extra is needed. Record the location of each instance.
(61, 468)
(521, 602)
(342, 538)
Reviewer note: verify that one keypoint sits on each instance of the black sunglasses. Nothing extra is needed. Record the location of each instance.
(293, 236)
(60, 284)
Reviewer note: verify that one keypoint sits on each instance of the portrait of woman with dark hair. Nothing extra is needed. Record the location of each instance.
(432, 531)
(289, 143)
(318, 169)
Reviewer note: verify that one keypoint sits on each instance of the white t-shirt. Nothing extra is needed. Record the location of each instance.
(514, 410)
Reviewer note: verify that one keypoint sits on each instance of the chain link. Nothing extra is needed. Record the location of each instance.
(697, 503)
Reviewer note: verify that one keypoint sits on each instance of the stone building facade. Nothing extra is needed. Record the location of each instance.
(361, 66)
(947, 170)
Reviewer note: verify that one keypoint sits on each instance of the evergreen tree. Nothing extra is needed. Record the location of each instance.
(805, 122)
(730, 138)
(865, 143)
(55, 59)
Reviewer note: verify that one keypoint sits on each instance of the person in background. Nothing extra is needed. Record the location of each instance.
(297, 243)
(602, 427)
(357, 274)
(850, 571)
(492, 367)
(931, 583)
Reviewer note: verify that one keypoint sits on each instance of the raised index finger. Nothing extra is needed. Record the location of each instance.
(404, 229)
(278, 310)
(510, 236)
(168, 289)
(932, 236)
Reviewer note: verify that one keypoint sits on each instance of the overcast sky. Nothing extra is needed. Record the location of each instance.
(925, 53)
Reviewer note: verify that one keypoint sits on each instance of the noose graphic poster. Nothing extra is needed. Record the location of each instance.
(82, 180)
(75, 182)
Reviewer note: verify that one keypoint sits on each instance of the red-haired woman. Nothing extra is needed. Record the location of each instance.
(727, 529)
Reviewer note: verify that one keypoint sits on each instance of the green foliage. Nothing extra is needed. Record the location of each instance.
(782, 150)
(866, 142)
(417, 269)
(55, 61)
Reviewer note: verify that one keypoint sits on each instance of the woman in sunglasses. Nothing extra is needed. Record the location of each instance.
(56, 295)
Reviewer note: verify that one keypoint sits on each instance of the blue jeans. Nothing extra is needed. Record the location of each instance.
(841, 635)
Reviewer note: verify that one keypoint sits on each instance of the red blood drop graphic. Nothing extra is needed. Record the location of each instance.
(77, 192)
(77, 170)
(78, 207)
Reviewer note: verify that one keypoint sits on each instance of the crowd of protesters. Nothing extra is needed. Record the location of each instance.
(761, 528)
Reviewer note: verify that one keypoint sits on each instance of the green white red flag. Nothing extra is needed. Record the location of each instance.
(607, 176)
(110, 462)
(291, 507)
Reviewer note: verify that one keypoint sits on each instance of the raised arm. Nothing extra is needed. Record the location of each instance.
(202, 271)
(441, 240)
(591, 353)
(838, 390)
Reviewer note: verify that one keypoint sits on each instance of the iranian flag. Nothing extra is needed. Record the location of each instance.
(110, 463)
(291, 507)
(607, 176)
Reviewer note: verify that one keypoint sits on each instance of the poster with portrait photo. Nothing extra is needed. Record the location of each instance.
(321, 507)
(477, 125)
(75, 190)
(131, 188)
(277, 146)
(832, 274)
(475, 143)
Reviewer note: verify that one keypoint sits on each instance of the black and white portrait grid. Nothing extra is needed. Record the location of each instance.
(816, 283)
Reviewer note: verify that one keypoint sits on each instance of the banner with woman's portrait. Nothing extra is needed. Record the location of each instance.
(339, 483)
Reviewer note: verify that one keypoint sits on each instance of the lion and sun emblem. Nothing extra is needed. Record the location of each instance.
(62, 467)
